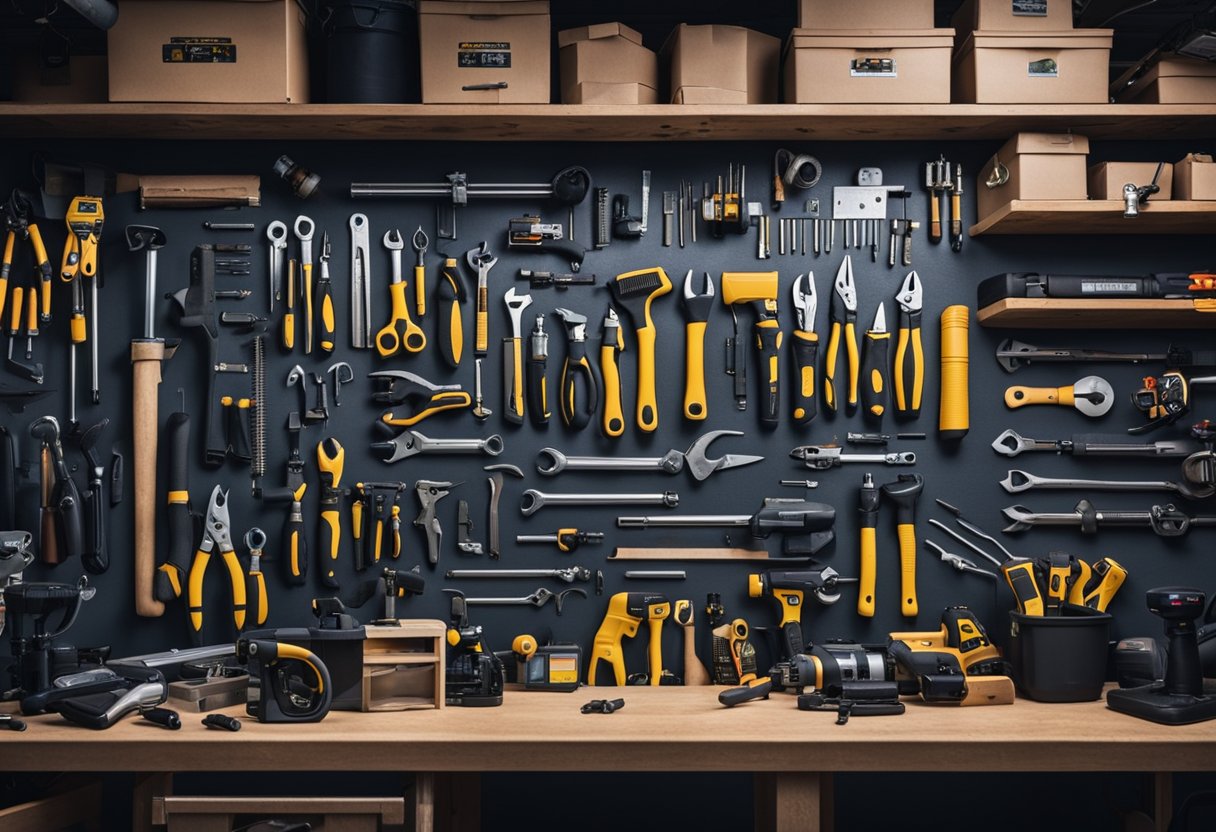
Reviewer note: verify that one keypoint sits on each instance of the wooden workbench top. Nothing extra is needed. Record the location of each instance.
(672, 729)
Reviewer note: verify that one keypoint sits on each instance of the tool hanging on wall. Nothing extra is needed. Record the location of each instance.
(96, 554)
(414, 397)
(805, 527)
(612, 344)
(294, 543)
(908, 371)
(400, 333)
(17, 211)
(1012, 354)
(842, 335)
(697, 308)
(875, 349)
(790, 170)
(331, 459)
(805, 348)
(430, 492)
(217, 538)
(482, 260)
(62, 511)
(758, 290)
(376, 522)
(419, 242)
(1164, 520)
(513, 380)
(326, 316)
(727, 208)
(1092, 396)
(528, 233)
(450, 319)
(624, 225)
(85, 218)
(626, 612)
(905, 493)
(537, 382)
(635, 292)
(360, 282)
(1165, 399)
(578, 388)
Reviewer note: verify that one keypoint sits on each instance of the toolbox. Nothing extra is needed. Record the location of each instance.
(1033, 166)
(1106, 180)
(721, 65)
(868, 67)
(1013, 15)
(606, 64)
(865, 14)
(221, 51)
(484, 51)
(1195, 177)
(1170, 80)
(1062, 67)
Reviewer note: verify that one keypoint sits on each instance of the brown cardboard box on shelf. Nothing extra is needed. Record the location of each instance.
(1065, 67)
(1033, 166)
(868, 67)
(218, 51)
(499, 46)
(1195, 177)
(865, 14)
(1013, 15)
(721, 65)
(1106, 180)
(606, 64)
(82, 81)
(1170, 80)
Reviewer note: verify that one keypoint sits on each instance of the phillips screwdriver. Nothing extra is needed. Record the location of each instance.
(874, 366)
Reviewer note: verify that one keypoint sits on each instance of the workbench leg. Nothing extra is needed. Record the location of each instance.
(147, 786)
(793, 802)
(457, 802)
(424, 802)
(1163, 800)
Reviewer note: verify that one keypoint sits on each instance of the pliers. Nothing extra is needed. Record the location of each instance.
(959, 562)
(423, 397)
(805, 348)
(577, 407)
(843, 324)
(909, 380)
(217, 535)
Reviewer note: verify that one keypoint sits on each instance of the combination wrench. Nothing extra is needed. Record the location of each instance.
(533, 500)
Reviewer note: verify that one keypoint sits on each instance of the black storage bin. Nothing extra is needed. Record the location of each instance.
(371, 51)
(1059, 658)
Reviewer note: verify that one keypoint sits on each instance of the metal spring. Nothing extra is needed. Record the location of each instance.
(258, 415)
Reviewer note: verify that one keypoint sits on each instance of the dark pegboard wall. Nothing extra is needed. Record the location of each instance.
(966, 475)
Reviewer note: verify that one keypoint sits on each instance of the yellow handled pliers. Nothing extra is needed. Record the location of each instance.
(217, 535)
(844, 326)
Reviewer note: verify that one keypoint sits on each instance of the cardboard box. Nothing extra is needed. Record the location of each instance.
(721, 65)
(1066, 67)
(1171, 80)
(1106, 180)
(908, 67)
(606, 64)
(483, 43)
(1013, 15)
(1195, 177)
(82, 81)
(218, 51)
(1034, 166)
(852, 15)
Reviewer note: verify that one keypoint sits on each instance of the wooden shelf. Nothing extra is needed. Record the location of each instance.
(1046, 313)
(1086, 216)
(571, 122)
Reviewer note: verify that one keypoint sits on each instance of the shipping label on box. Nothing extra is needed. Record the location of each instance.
(483, 55)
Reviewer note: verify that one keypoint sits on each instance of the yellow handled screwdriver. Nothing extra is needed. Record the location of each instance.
(304, 229)
(325, 299)
(420, 242)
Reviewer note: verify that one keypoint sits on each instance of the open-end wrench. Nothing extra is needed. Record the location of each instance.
(513, 357)
(1166, 521)
(533, 500)
(1017, 481)
(569, 575)
(1011, 443)
(538, 598)
(410, 442)
(551, 461)
(276, 233)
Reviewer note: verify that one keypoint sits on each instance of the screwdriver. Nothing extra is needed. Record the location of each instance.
(874, 365)
(538, 365)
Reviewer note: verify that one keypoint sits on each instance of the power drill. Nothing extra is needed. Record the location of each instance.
(626, 611)
(955, 664)
(790, 590)
(474, 676)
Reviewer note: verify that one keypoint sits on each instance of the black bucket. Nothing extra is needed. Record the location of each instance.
(372, 53)
(1060, 658)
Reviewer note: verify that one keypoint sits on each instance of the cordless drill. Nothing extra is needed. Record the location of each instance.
(954, 664)
(626, 611)
(790, 590)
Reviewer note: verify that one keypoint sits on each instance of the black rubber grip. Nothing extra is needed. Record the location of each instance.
(96, 557)
(538, 393)
(449, 306)
(806, 357)
(759, 689)
(768, 345)
(8, 480)
(69, 517)
(873, 379)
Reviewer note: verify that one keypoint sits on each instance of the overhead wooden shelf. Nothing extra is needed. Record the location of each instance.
(1084, 216)
(1048, 313)
(562, 122)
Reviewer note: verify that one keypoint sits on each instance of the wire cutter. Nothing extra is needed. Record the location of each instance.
(577, 407)
(217, 533)
(909, 380)
(423, 397)
(843, 325)
(805, 348)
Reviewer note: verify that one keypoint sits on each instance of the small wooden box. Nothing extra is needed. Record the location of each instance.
(404, 665)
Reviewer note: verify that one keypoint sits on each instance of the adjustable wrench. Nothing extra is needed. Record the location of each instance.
(538, 598)
(1017, 481)
(569, 575)
(533, 500)
(513, 357)
(411, 442)
(551, 461)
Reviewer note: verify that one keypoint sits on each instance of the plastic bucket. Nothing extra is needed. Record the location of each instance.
(1059, 658)
(372, 52)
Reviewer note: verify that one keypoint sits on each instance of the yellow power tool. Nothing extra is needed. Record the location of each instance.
(626, 611)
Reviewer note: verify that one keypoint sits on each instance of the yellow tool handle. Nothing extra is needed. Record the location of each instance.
(356, 517)
(236, 577)
(648, 406)
(829, 368)
(328, 318)
(379, 541)
(805, 349)
(146, 357)
(400, 332)
(954, 417)
(194, 588)
(935, 218)
(449, 400)
(1076, 590)
(294, 541)
(909, 372)
(695, 406)
(70, 263)
(873, 375)
(654, 651)
(420, 290)
(44, 266)
(308, 317)
(1022, 396)
(907, 569)
(850, 345)
(77, 328)
(289, 316)
(1022, 580)
(1112, 577)
(481, 337)
(329, 537)
(263, 600)
(517, 376)
(454, 336)
(869, 571)
(956, 214)
(614, 413)
(6, 265)
(31, 316)
(396, 527)
(768, 348)
(18, 297)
